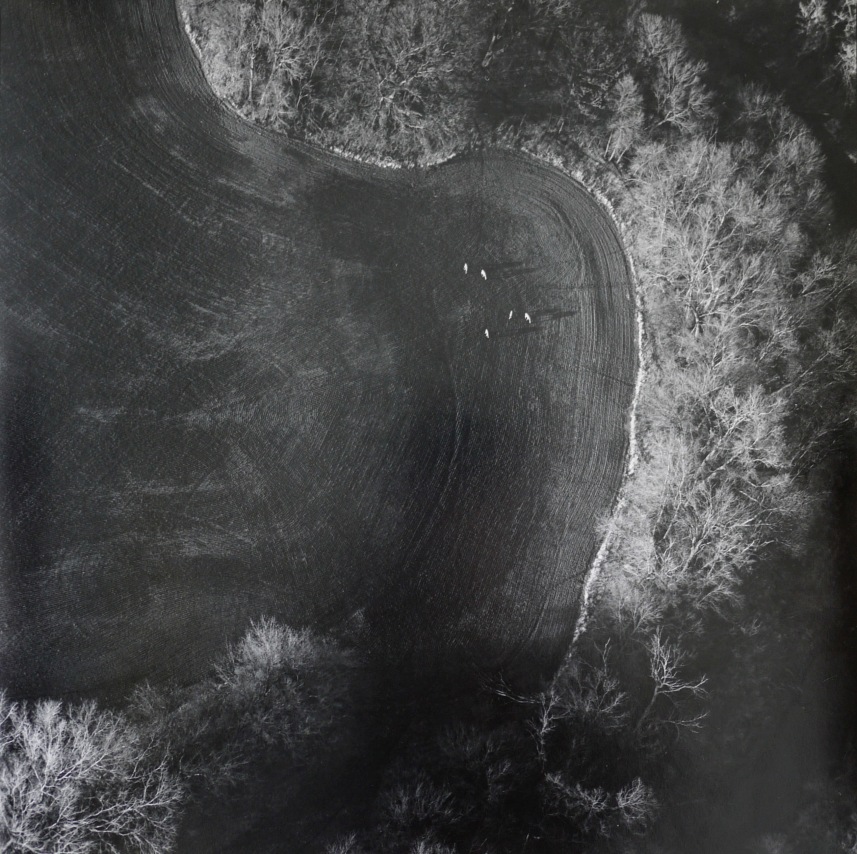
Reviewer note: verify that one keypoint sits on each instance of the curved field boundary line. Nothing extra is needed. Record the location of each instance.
(643, 362)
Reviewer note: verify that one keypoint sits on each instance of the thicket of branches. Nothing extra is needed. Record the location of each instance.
(370, 76)
(278, 696)
(411, 79)
(562, 769)
(77, 779)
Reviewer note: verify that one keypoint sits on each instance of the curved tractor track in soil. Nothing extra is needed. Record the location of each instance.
(243, 377)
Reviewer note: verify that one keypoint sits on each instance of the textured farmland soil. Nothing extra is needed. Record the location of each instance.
(244, 377)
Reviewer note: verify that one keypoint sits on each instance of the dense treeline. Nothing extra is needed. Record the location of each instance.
(412, 80)
(359, 74)
(749, 298)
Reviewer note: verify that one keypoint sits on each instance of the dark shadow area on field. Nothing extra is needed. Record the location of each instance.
(451, 450)
(24, 496)
(431, 616)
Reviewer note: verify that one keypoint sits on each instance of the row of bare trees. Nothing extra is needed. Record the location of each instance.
(414, 79)
(751, 351)
(367, 74)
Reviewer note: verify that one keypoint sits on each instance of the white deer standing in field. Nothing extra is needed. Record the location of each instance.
(511, 313)
(527, 317)
(486, 334)
(483, 274)
(465, 269)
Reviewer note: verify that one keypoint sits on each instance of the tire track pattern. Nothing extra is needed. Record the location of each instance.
(242, 376)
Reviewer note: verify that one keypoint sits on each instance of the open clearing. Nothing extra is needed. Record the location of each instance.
(245, 377)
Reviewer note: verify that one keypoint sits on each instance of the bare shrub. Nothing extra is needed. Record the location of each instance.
(346, 845)
(428, 845)
(419, 803)
(551, 8)
(599, 813)
(636, 806)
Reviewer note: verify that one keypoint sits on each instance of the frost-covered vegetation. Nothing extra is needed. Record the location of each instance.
(278, 695)
(77, 779)
(722, 546)
(412, 80)
(363, 75)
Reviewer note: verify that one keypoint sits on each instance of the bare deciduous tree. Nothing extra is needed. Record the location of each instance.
(627, 120)
(416, 804)
(279, 695)
(637, 806)
(77, 779)
(398, 63)
(665, 665)
(682, 100)
(285, 49)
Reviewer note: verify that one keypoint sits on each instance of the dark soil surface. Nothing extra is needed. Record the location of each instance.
(243, 377)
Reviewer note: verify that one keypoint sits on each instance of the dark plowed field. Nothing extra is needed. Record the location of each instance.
(244, 377)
